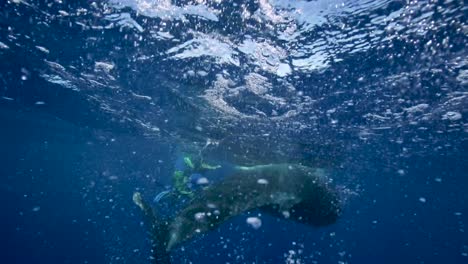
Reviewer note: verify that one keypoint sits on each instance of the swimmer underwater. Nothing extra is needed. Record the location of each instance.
(291, 191)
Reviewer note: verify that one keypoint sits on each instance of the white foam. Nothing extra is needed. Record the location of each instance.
(452, 115)
(105, 66)
(417, 108)
(164, 9)
(284, 70)
(125, 20)
(206, 46)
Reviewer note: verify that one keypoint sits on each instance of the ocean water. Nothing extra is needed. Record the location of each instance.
(99, 99)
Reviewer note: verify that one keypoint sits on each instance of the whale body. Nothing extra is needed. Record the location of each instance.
(291, 191)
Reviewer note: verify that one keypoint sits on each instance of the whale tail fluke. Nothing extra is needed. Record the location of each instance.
(158, 229)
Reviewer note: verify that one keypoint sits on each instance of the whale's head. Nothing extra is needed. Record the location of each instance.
(319, 205)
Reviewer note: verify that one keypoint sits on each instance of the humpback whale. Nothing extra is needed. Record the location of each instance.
(292, 191)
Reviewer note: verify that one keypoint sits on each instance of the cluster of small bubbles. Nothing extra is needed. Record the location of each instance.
(254, 222)
(292, 257)
(200, 216)
(262, 181)
(202, 181)
(464, 251)
(25, 74)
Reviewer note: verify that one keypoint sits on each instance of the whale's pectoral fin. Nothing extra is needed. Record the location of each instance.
(138, 200)
(157, 228)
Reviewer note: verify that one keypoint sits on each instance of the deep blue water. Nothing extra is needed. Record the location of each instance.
(99, 99)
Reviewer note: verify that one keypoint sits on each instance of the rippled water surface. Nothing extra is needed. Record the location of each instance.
(97, 99)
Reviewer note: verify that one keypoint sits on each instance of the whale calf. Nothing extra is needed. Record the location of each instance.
(291, 191)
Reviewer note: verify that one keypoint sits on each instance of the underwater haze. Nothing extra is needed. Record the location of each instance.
(100, 99)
